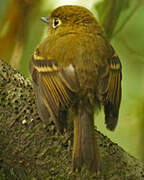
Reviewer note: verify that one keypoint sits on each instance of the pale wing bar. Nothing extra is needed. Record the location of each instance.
(110, 91)
(57, 85)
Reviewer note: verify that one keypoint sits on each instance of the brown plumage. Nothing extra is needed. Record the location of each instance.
(76, 68)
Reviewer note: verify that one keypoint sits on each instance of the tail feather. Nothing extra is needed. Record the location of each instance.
(85, 151)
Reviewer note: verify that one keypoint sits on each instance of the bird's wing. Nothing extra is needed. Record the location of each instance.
(110, 90)
(56, 85)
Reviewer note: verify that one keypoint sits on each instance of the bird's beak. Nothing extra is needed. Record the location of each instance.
(45, 19)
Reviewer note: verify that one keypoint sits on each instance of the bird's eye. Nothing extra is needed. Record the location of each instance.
(56, 22)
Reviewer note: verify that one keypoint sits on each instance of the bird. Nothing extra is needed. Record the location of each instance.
(76, 70)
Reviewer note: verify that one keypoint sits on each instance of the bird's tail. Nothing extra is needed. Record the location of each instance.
(85, 150)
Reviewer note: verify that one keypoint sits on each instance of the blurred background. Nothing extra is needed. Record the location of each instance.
(123, 20)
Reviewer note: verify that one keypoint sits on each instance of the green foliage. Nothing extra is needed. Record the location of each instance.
(109, 13)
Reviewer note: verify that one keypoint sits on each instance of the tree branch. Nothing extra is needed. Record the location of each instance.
(31, 150)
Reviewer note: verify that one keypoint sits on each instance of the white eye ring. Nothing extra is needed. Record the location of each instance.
(56, 22)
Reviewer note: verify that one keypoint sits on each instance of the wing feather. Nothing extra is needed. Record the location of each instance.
(57, 85)
(110, 91)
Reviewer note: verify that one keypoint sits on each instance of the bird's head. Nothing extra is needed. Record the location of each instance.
(70, 18)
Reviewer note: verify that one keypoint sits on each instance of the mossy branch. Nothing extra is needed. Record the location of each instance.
(29, 150)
